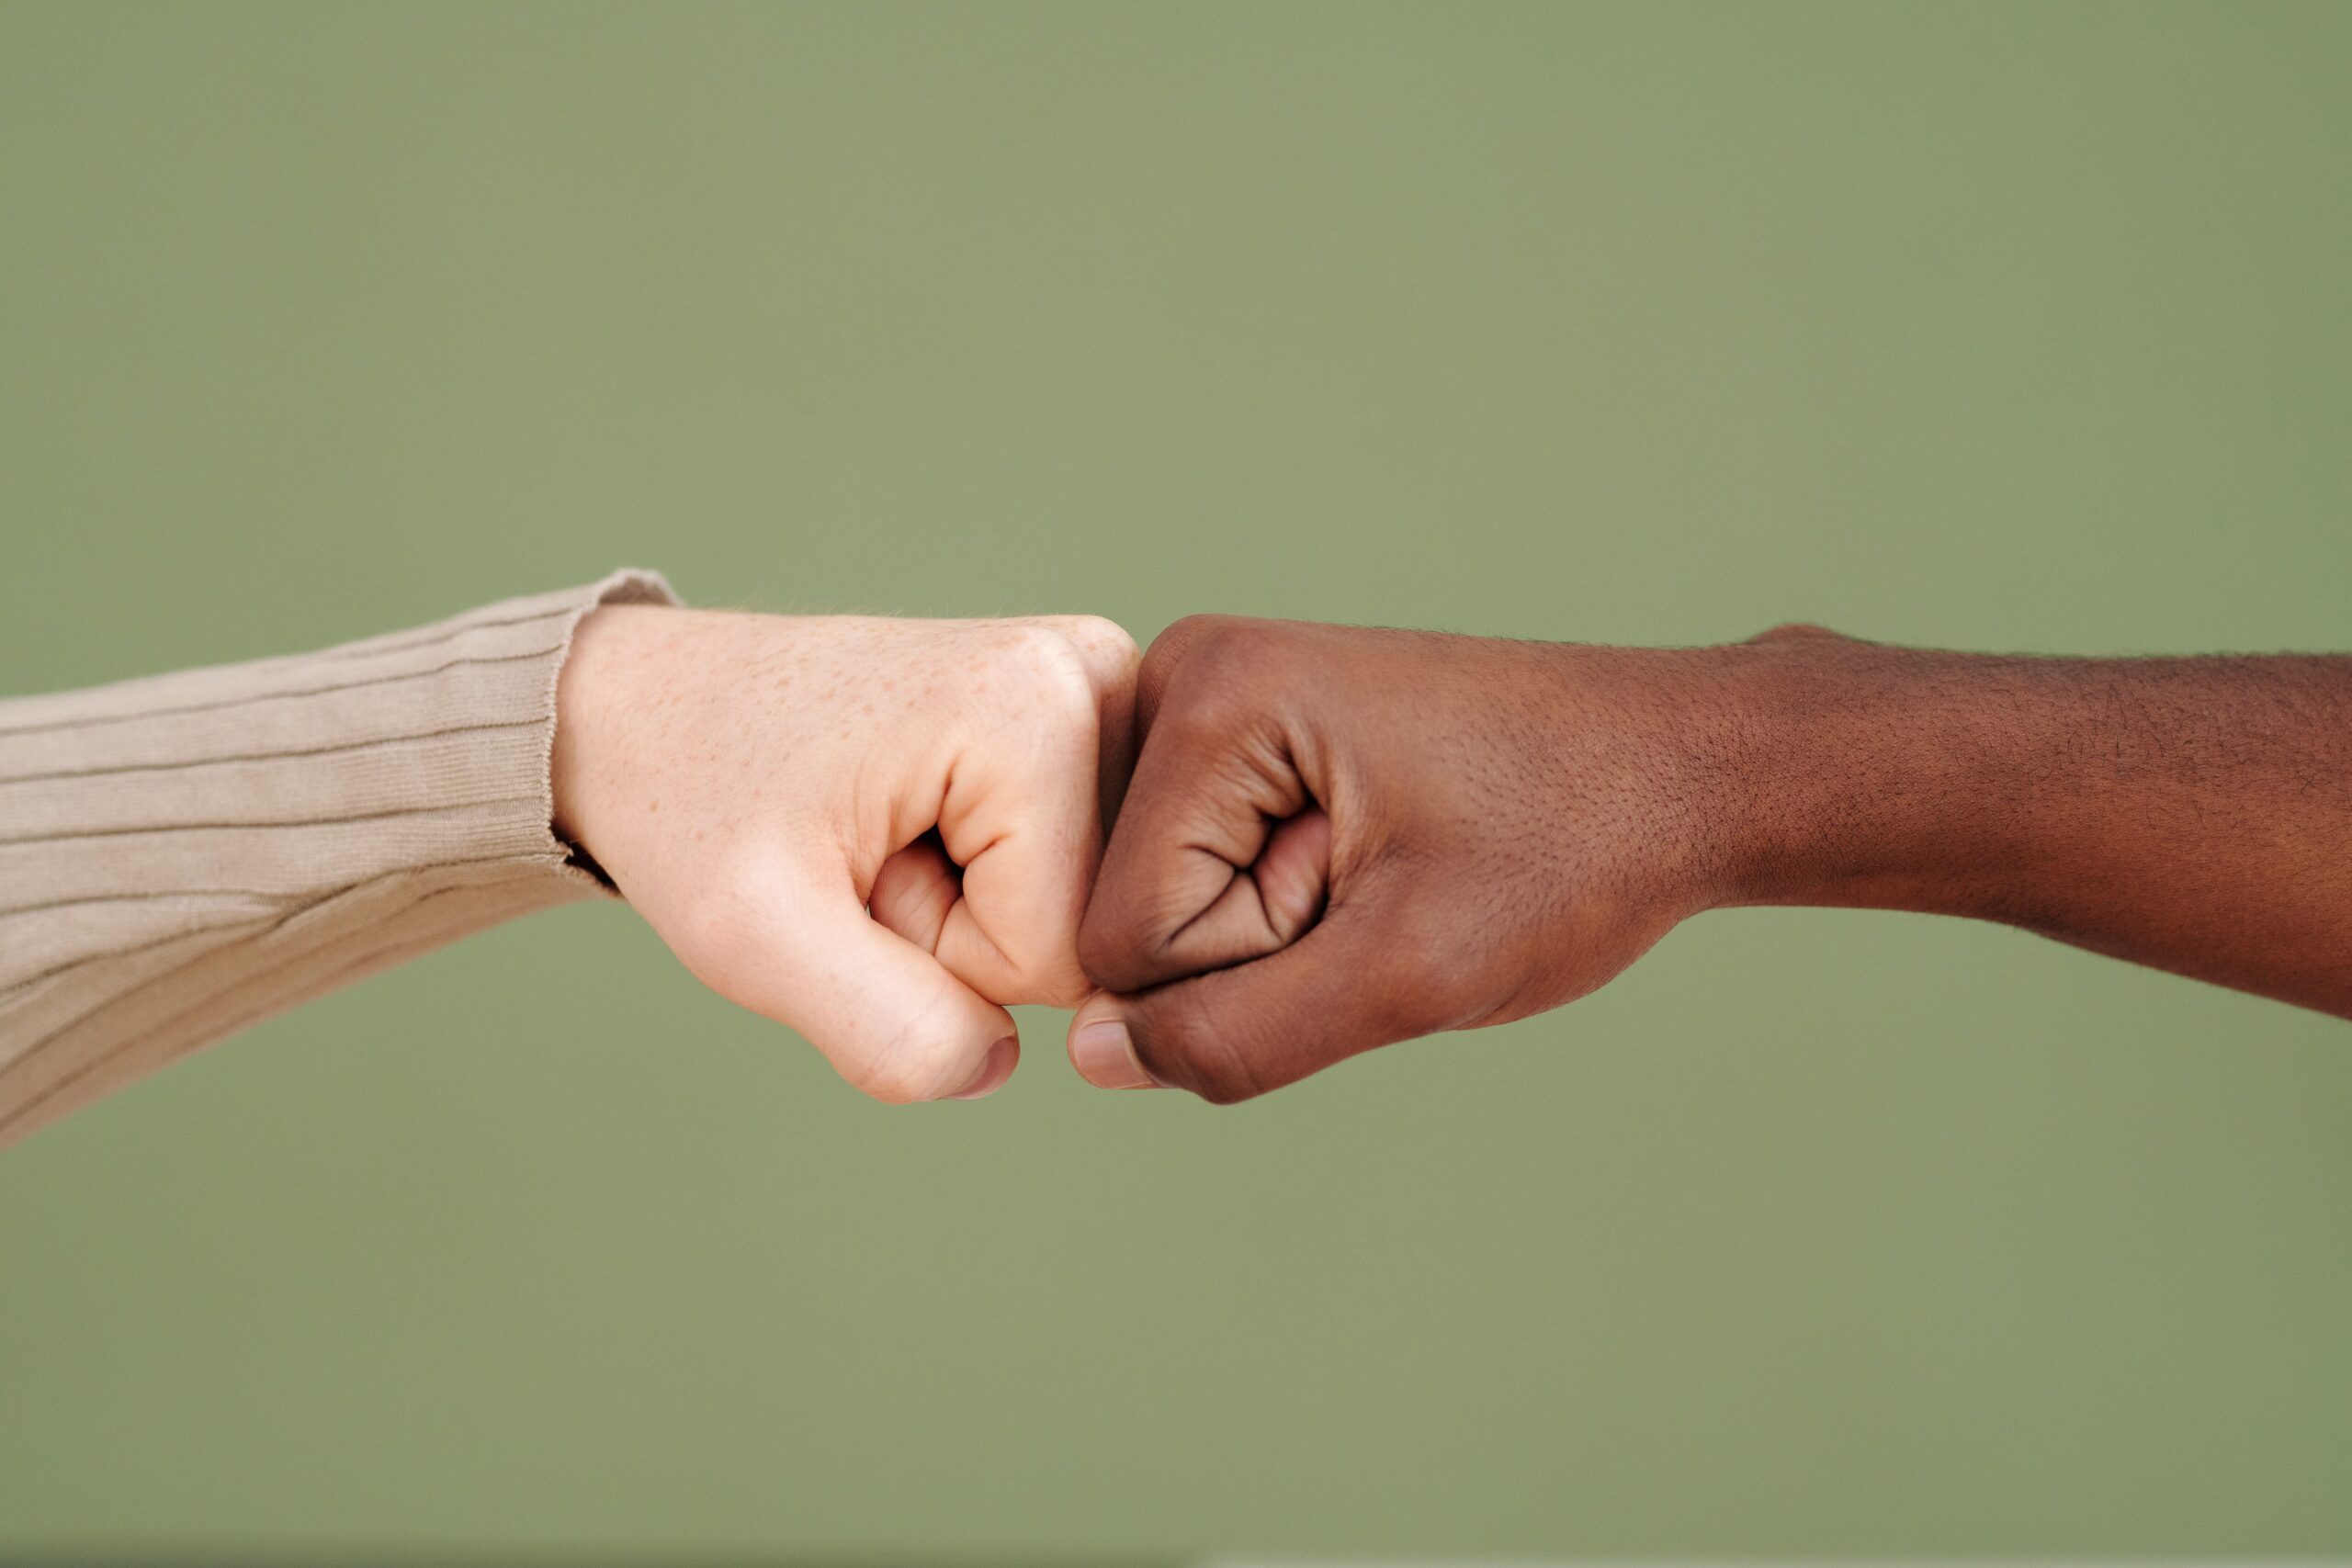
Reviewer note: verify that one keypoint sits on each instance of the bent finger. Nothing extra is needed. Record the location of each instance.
(1235, 1033)
(885, 1013)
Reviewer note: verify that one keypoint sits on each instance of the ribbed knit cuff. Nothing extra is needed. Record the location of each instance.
(182, 856)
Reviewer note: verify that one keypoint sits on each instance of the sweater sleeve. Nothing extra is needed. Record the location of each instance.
(185, 855)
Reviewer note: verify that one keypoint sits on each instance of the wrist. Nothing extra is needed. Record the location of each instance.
(584, 764)
(1869, 776)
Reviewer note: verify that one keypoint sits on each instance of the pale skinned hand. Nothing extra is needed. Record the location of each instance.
(752, 783)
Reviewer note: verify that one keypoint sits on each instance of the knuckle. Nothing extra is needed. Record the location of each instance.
(1105, 644)
(1177, 642)
(891, 1083)
(1049, 977)
(1051, 669)
(1215, 641)
(919, 1060)
(1063, 989)
(1186, 630)
(1223, 676)
(1033, 641)
(1799, 631)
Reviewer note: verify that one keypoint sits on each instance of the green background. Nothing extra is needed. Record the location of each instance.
(2008, 327)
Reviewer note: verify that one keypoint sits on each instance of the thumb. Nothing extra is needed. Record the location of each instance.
(887, 1014)
(1234, 1033)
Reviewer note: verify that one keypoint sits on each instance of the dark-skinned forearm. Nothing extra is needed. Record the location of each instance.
(2190, 813)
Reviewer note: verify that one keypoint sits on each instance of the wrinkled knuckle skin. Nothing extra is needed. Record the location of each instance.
(894, 1084)
(918, 1062)
(1064, 991)
(1056, 980)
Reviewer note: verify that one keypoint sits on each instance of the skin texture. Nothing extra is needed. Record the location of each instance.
(1336, 839)
(753, 784)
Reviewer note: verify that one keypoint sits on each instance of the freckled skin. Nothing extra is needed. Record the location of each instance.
(1336, 839)
(943, 773)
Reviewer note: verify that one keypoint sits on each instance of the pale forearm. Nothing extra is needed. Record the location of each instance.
(183, 856)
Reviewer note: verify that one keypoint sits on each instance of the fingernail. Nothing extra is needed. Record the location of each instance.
(995, 1067)
(1106, 1057)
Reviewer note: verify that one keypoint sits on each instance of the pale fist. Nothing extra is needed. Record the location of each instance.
(879, 833)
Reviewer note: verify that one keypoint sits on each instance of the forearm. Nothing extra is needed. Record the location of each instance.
(2190, 813)
(183, 856)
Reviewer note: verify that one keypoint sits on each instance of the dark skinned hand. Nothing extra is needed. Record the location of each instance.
(1336, 837)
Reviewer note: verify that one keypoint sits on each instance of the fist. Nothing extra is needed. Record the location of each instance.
(877, 832)
(1337, 838)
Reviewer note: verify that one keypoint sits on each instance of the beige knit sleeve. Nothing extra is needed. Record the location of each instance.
(185, 855)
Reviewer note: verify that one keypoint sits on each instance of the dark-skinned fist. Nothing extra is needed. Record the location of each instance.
(1337, 838)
